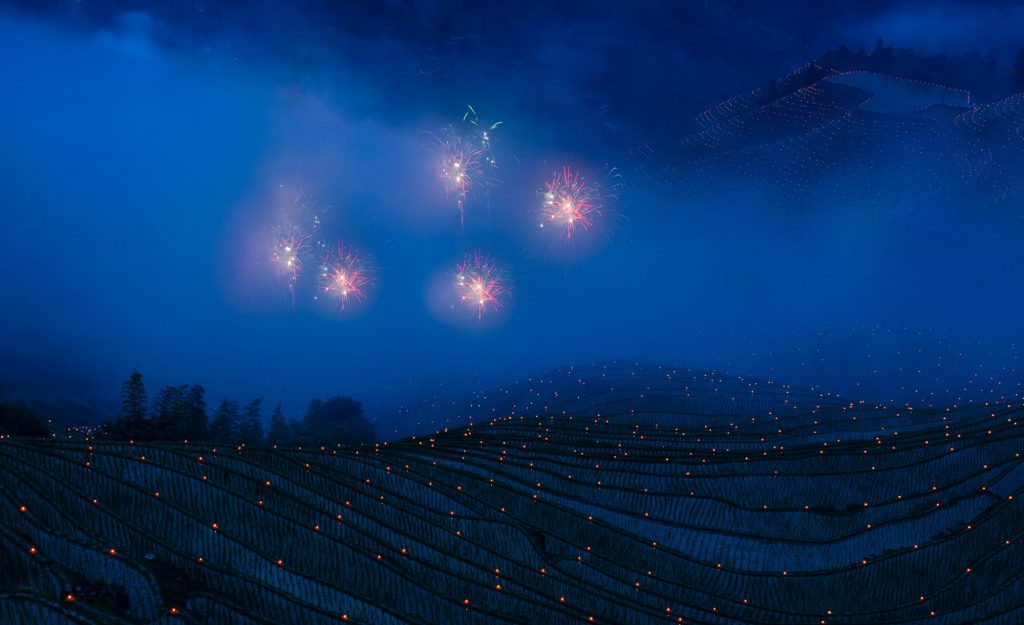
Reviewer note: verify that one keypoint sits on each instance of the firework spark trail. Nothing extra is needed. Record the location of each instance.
(297, 241)
(289, 253)
(486, 133)
(466, 163)
(480, 284)
(461, 169)
(569, 201)
(345, 274)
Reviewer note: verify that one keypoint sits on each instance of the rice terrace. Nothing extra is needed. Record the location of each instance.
(608, 494)
(461, 312)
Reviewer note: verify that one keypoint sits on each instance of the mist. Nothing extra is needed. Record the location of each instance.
(144, 163)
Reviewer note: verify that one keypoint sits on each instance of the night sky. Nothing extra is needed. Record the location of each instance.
(148, 150)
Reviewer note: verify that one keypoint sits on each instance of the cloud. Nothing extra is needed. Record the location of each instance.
(148, 148)
(132, 34)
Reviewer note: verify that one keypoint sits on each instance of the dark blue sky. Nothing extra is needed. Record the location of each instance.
(146, 149)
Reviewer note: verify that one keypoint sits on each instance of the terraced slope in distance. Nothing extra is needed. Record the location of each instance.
(823, 139)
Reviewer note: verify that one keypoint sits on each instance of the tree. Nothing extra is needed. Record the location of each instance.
(278, 433)
(224, 427)
(882, 57)
(169, 413)
(1018, 71)
(336, 420)
(131, 423)
(195, 414)
(19, 420)
(251, 430)
(295, 431)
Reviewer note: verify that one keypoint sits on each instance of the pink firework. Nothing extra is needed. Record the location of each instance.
(569, 202)
(462, 169)
(480, 284)
(346, 275)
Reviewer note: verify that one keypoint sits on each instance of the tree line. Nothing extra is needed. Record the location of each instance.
(17, 419)
(973, 71)
(179, 413)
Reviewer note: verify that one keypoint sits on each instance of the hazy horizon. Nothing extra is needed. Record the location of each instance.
(150, 151)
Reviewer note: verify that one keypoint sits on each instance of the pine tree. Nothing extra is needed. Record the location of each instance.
(296, 433)
(169, 413)
(224, 427)
(251, 432)
(278, 433)
(195, 414)
(131, 423)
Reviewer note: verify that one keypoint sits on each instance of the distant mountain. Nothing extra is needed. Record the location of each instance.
(605, 494)
(825, 139)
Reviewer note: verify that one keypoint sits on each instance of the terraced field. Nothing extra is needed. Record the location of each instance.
(854, 139)
(609, 494)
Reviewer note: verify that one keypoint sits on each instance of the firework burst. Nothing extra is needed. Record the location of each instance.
(461, 169)
(466, 162)
(346, 275)
(289, 252)
(480, 284)
(569, 202)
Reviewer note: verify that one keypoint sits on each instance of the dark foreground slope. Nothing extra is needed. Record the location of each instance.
(623, 495)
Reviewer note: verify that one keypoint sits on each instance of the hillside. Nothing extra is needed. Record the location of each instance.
(609, 494)
(823, 139)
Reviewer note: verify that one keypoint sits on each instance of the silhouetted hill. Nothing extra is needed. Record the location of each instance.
(821, 139)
